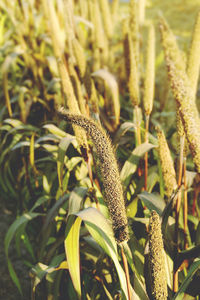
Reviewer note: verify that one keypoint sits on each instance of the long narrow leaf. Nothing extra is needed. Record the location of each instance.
(9, 236)
(72, 251)
(193, 269)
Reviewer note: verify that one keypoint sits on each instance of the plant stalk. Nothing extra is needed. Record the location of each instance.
(185, 211)
(178, 204)
(146, 154)
(138, 133)
(125, 263)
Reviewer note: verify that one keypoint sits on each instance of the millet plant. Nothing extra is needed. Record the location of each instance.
(100, 159)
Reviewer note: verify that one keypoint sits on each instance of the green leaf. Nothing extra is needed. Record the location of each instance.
(56, 131)
(14, 276)
(136, 262)
(62, 148)
(193, 269)
(153, 201)
(132, 208)
(111, 98)
(21, 144)
(28, 245)
(71, 163)
(101, 230)
(153, 178)
(7, 149)
(122, 130)
(131, 164)
(9, 236)
(49, 222)
(40, 201)
(41, 270)
(72, 251)
(18, 125)
(75, 199)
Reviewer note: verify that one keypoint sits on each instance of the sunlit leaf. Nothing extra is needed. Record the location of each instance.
(102, 232)
(72, 251)
(55, 130)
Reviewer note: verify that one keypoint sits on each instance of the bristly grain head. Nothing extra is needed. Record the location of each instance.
(109, 171)
(157, 267)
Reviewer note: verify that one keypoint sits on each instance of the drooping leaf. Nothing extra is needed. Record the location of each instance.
(41, 270)
(40, 201)
(76, 198)
(112, 104)
(153, 201)
(130, 166)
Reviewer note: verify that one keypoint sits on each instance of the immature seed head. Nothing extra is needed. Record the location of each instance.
(150, 72)
(156, 259)
(167, 165)
(183, 94)
(134, 27)
(193, 62)
(109, 171)
(79, 56)
(131, 69)
(106, 16)
(91, 91)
